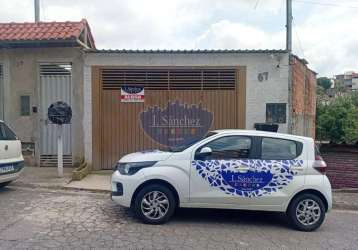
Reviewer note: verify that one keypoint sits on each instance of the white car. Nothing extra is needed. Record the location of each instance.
(230, 169)
(11, 159)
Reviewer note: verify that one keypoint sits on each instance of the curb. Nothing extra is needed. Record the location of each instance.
(346, 190)
(21, 184)
(344, 206)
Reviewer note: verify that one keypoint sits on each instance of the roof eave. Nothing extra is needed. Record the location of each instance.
(203, 51)
(72, 42)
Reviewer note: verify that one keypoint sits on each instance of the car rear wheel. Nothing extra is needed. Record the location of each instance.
(306, 212)
(154, 204)
(4, 184)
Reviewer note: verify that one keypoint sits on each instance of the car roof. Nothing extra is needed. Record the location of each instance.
(260, 133)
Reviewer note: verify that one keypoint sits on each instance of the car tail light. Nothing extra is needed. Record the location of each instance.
(320, 165)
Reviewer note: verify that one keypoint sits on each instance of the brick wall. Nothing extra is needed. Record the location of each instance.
(342, 164)
(303, 98)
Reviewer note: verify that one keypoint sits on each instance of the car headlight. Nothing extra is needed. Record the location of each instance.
(130, 168)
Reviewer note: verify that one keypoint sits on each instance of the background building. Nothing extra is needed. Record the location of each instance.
(348, 81)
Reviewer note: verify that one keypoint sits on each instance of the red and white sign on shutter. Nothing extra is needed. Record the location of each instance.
(132, 94)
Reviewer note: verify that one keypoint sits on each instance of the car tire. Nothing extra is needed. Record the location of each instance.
(4, 184)
(154, 204)
(306, 212)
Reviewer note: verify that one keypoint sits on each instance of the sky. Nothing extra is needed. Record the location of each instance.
(324, 31)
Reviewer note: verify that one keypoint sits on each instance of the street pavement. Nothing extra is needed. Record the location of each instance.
(37, 218)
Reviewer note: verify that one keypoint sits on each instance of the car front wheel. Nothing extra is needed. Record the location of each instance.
(306, 212)
(154, 204)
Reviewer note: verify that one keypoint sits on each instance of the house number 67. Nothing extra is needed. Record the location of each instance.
(263, 76)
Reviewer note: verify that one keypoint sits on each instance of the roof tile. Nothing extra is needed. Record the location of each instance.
(41, 31)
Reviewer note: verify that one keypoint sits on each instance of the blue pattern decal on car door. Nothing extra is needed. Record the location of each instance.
(247, 178)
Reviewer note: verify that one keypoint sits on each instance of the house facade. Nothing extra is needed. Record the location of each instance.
(129, 100)
(41, 63)
(236, 89)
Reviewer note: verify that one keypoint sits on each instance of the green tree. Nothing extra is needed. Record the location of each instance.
(337, 121)
(324, 82)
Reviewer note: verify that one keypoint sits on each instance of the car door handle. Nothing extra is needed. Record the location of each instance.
(297, 168)
(243, 169)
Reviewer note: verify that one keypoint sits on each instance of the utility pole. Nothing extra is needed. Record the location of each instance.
(37, 10)
(289, 18)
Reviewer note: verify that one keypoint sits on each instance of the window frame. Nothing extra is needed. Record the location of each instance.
(253, 149)
(276, 103)
(29, 109)
(299, 147)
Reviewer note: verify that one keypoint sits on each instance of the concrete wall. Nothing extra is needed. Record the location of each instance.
(258, 93)
(303, 98)
(21, 77)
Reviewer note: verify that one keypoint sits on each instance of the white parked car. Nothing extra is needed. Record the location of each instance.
(230, 169)
(11, 159)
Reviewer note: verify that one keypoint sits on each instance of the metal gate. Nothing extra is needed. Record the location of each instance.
(118, 128)
(55, 81)
(1, 93)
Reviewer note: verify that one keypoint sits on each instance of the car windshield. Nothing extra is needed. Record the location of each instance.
(182, 148)
(6, 133)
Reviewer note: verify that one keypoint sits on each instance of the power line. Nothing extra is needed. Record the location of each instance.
(327, 4)
(256, 4)
(298, 39)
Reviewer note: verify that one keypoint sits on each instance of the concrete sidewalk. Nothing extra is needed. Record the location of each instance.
(92, 182)
(47, 177)
(99, 181)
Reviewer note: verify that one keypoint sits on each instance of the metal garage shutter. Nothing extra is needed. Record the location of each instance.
(170, 79)
(117, 129)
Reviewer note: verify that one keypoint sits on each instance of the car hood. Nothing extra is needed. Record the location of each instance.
(148, 155)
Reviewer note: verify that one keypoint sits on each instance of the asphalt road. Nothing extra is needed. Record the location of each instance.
(45, 219)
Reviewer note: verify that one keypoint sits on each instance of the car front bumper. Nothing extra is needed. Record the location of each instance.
(124, 186)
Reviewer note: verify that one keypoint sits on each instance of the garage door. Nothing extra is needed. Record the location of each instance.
(180, 105)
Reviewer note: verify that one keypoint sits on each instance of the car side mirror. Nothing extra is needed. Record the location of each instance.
(205, 151)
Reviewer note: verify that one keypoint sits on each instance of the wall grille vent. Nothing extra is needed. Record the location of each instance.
(170, 79)
(51, 161)
(55, 69)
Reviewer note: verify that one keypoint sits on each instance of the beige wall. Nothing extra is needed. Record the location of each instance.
(21, 78)
(274, 89)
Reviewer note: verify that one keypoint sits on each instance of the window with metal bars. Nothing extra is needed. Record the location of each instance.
(170, 79)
